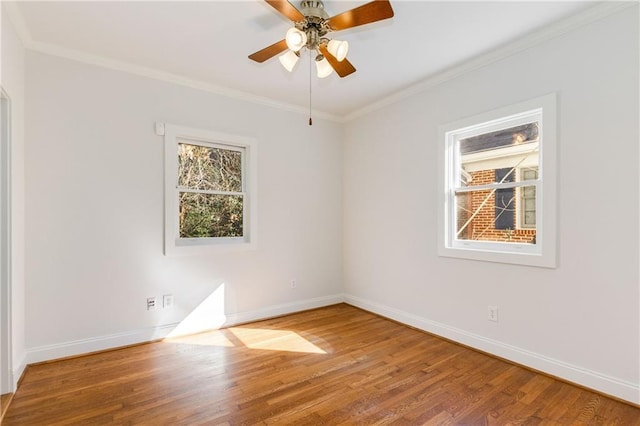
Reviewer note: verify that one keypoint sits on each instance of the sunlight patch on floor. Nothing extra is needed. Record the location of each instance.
(274, 340)
(213, 338)
(252, 338)
(202, 327)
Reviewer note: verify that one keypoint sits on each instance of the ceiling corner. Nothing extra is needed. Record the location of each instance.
(14, 14)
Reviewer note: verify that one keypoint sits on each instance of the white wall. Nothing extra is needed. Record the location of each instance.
(579, 321)
(13, 83)
(95, 210)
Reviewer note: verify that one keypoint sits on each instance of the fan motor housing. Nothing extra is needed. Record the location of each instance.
(314, 23)
(313, 9)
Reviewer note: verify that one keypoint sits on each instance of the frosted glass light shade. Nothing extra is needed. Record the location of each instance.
(295, 39)
(338, 49)
(323, 68)
(289, 60)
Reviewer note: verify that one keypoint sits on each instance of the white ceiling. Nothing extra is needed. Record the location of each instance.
(207, 42)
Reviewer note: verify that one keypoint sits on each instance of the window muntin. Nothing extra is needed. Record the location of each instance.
(529, 236)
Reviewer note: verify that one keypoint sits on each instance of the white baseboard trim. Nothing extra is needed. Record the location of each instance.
(100, 343)
(603, 383)
(599, 382)
(282, 309)
(18, 371)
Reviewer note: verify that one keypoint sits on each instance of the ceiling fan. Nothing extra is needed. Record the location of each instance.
(311, 24)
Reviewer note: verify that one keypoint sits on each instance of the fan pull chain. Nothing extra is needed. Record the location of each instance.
(310, 77)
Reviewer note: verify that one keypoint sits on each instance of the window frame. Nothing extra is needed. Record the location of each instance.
(242, 192)
(543, 252)
(173, 243)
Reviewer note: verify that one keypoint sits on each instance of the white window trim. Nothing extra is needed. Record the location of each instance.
(173, 244)
(7, 383)
(543, 253)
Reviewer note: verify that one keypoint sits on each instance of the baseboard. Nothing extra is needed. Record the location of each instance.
(111, 341)
(18, 373)
(282, 309)
(599, 382)
(99, 343)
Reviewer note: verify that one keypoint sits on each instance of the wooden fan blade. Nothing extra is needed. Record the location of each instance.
(269, 52)
(343, 68)
(374, 11)
(287, 9)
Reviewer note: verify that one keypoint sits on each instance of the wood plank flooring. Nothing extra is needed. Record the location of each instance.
(335, 365)
(5, 398)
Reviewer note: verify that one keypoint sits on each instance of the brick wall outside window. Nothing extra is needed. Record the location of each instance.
(482, 228)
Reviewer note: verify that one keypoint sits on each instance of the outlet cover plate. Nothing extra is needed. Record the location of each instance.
(492, 313)
(167, 301)
(152, 303)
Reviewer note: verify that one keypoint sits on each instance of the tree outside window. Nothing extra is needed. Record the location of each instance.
(210, 191)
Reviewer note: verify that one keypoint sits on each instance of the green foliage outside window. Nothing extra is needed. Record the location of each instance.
(211, 198)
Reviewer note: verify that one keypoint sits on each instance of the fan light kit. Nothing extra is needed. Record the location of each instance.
(311, 24)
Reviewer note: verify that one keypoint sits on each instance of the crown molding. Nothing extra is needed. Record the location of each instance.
(557, 29)
(101, 61)
(16, 19)
(551, 31)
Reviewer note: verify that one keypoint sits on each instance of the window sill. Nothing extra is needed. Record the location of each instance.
(204, 246)
(492, 254)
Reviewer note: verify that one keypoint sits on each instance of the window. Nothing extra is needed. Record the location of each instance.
(210, 191)
(498, 202)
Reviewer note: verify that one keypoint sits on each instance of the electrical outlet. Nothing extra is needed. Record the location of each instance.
(492, 313)
(294, 284)
(167, 301)
(151, 303)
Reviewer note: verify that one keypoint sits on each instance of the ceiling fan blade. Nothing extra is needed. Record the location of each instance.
(343, 68)
(374, 11)
(269, 52)
(287, 9)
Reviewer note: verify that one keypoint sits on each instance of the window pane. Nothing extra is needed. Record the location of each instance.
(490, 215)
(494, 157)
(529, 173)
(528, 207)
(209, 169)
(500, 138)
(505, 206)
(207, 215)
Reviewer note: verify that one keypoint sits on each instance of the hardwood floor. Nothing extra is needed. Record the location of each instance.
(335, 365)
(5, 398)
